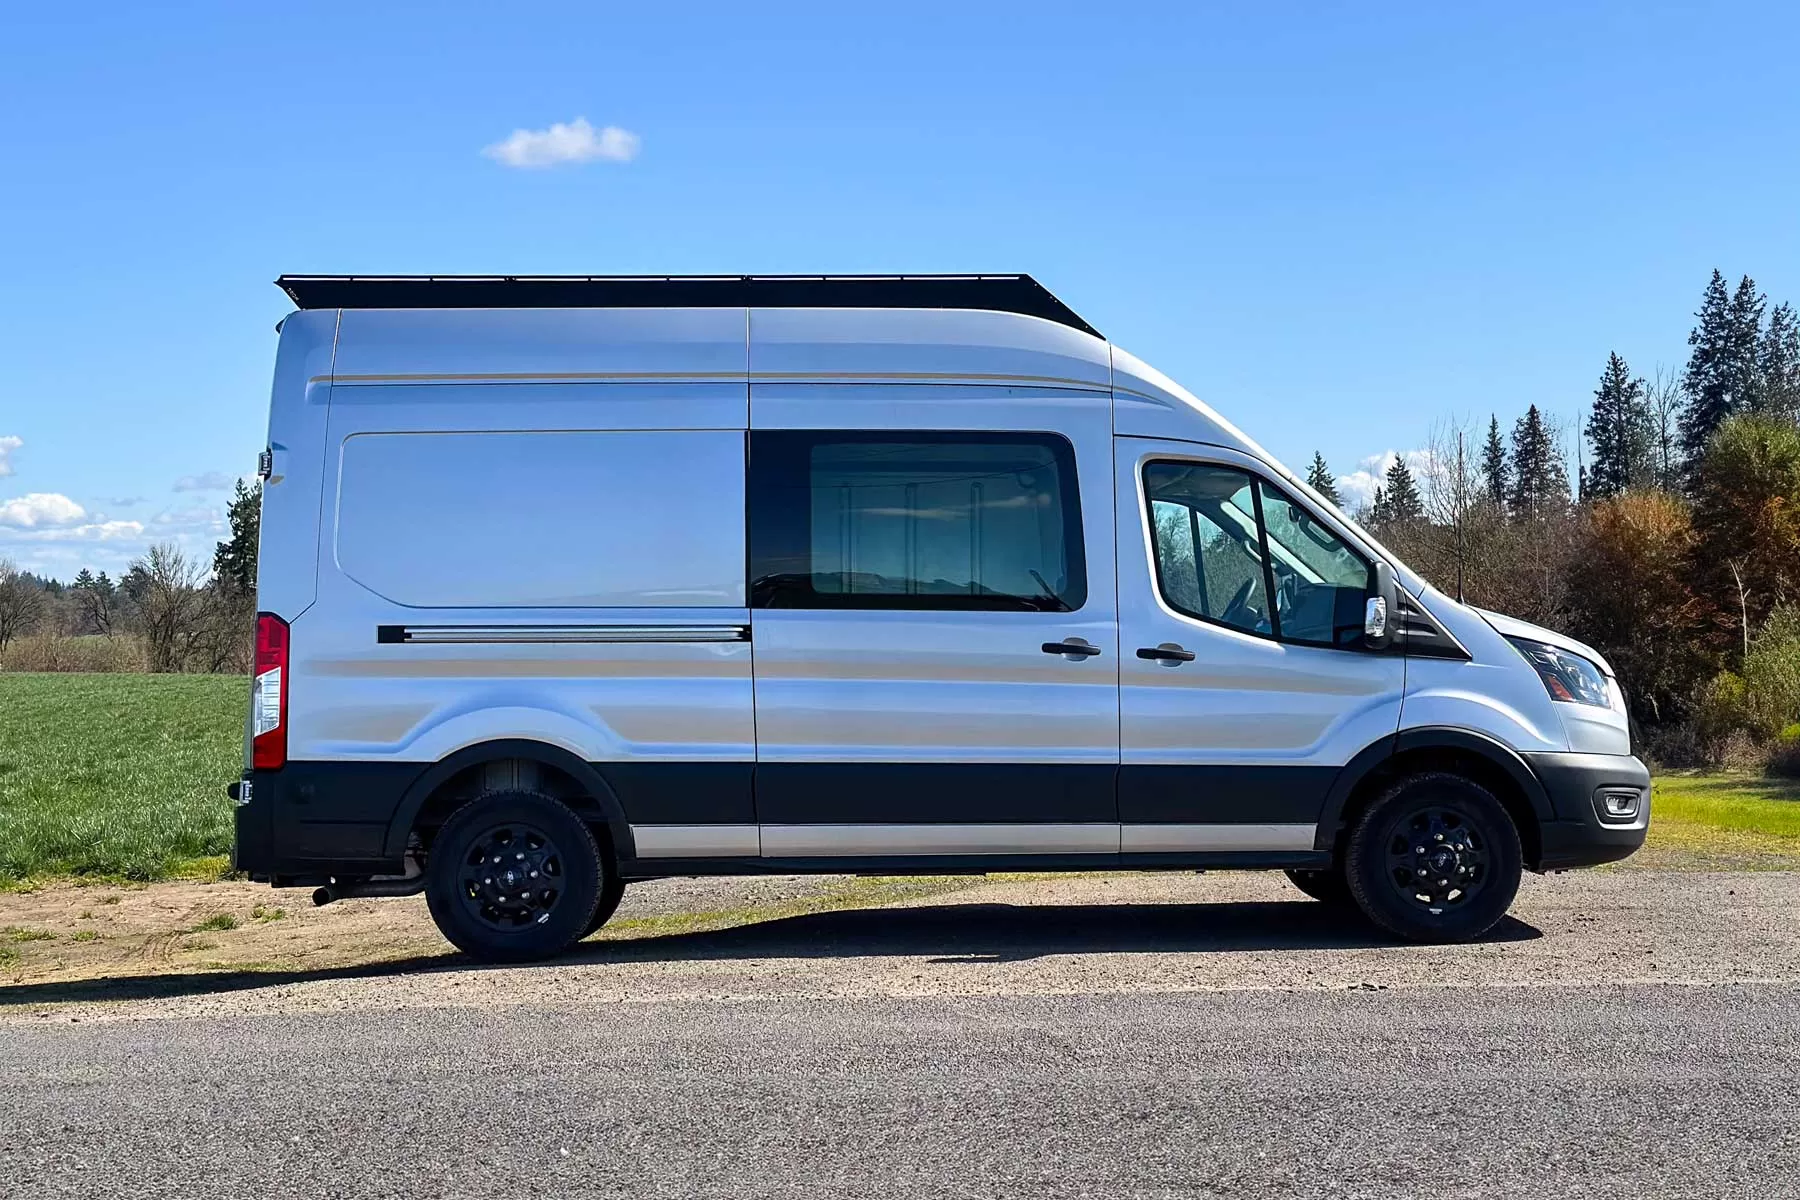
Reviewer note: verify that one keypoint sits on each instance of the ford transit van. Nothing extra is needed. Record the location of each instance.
(570, 582)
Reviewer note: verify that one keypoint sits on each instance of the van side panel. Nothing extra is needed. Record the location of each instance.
(523, 554)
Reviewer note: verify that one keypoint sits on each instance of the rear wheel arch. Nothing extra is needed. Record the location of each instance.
(1482, 759)
(507, 764)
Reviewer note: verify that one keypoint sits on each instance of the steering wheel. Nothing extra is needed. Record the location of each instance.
(1239, 609)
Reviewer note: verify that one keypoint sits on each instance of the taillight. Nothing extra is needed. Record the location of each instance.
(268, 694)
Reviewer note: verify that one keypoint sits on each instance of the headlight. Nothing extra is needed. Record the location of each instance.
(1567, 677)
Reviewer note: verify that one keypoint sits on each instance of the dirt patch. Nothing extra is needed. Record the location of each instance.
(70, 932)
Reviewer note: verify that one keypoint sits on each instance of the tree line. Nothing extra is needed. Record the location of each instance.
(1673, 549)
(167, 612)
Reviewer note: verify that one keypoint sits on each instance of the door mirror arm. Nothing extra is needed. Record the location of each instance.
(1381, 610)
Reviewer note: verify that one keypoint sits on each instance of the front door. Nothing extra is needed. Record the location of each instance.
(933, 626)
(1244, 683)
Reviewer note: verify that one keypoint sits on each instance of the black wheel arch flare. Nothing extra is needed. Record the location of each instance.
(413, 800)
(1381, 759)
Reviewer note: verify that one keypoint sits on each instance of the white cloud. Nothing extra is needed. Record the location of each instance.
(207, 481)
(1357, 489)
(91, 531)
(40, 510)
(8, 444)
(574, 142)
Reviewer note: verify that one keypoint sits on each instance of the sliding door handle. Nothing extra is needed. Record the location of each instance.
(1075, 649)
(1168, 652)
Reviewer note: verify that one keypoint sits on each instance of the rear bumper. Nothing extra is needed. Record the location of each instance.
(1583, 833)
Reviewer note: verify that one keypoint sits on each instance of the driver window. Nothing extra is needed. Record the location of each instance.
(1233, 550)
(1208, 554)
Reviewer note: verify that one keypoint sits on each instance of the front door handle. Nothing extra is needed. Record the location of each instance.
(1167, 652)
(1076, 649)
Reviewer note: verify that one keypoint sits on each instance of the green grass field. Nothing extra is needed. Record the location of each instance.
(118, 775)
(124, 776)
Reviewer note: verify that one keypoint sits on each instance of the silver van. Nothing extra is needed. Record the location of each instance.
(569, 582)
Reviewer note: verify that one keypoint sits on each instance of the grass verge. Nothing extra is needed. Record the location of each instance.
(1706, 822)
(117, 776)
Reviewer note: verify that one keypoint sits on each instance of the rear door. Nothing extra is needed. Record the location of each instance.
(933, 620)
(1244, 684)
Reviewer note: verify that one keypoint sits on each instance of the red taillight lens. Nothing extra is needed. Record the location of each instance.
(268, 694)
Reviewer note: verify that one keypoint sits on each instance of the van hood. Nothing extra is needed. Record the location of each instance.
(1513, 627)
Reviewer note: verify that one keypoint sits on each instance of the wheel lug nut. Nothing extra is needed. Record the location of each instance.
(1438, 836)
(1443, 883)
(1418, 849)
(1421, 872)
(534, 874)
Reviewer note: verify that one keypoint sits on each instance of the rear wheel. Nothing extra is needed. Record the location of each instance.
(1327, 886)
(1435, 858)
(513, 876)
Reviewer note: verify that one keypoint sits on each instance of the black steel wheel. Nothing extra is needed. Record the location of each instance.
(1435, 858)
(1326, 886)
(513, 876)
(612, 890)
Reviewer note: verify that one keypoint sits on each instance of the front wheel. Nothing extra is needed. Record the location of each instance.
(513, 876)
(1435, 858)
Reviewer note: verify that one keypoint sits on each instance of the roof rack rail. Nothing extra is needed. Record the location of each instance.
(996, 293)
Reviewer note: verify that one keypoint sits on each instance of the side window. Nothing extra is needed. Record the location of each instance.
(1208, 555)
(903, 520)
(1233, 550)
(1320, 582)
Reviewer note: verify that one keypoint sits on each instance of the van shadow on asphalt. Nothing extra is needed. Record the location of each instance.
(944, 933)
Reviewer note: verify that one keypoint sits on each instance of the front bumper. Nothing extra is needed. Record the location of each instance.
(1584, 832)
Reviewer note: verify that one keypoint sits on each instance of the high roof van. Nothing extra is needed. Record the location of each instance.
(570, 582)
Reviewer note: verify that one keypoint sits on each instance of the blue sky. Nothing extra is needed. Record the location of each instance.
(1337, 223)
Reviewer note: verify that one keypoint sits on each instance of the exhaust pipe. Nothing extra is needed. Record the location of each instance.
(409, 885)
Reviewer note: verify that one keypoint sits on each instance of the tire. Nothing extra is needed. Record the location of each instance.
(496, 919)
(1326, 886)
(1435, 858)
(612, 890)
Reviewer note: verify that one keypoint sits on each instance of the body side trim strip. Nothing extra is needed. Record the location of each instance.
(801, 841)
(1166, 839)
(441, 634)
(695, 841)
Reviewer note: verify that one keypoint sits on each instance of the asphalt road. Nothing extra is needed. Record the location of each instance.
(1439, 1082)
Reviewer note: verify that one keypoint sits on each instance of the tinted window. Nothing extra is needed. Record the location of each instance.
(1231, 549)
(914, 521)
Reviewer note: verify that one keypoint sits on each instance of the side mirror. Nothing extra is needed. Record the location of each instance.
(1381, 609)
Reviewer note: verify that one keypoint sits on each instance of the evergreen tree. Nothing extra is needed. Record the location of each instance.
(1722, 370)
(1620, 429)
(1706, 382)
(1494, 476)
(234, 561)
(1399, 496)
(1778, 364)
(1318, 478)
(1540, 477)
(1746, 322)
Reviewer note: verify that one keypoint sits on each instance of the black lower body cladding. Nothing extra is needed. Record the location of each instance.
(1585, 832)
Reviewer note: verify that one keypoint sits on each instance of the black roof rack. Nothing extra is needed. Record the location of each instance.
(997, 293)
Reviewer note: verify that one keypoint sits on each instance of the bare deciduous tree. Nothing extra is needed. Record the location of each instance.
(173, 607)
(21, 602)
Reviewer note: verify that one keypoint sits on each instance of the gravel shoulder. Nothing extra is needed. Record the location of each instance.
(740, 940)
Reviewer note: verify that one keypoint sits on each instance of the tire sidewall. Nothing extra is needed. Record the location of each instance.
(1365, 867)
(573, 910)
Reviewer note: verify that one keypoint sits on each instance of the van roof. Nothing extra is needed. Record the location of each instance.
(996, 293)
